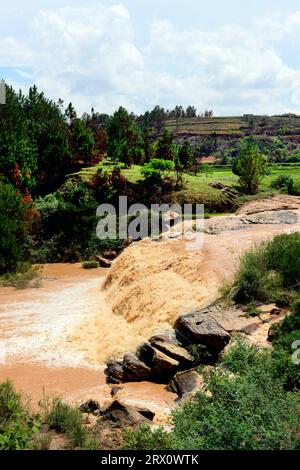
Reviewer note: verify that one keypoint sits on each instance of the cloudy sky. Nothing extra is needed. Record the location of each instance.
(232, 56)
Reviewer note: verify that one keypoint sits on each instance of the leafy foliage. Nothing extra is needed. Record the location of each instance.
(17, 424)
(12, 229)
(250, 166)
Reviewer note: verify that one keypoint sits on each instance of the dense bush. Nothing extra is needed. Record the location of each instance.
(247, 408)
(282, 182)
(266, 271)
(17, 424)
(12, 227)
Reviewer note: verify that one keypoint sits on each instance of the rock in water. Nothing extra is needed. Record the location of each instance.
(109, 254)
(186, 383)
(114, 372)
(103, 263)
(198, 327)
(135, 369)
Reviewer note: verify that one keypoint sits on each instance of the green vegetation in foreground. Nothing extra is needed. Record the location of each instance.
(244, 406)
(20, 429)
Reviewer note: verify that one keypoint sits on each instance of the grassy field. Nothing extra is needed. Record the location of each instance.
(197, 188)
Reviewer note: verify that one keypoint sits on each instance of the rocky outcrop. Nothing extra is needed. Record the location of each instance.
(272, 217)
(199, 327)
(186, 383)
(162, 366)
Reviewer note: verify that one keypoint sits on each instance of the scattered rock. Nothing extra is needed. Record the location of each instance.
(109, 254)
(103, 263)
(90, 406)
(115, 390)
(251, 328)
(45, 428)
(125, 415)
(134, 368)
(200, 328)
(276, 311)
(176, 352)
(114, 372)
(186, 382)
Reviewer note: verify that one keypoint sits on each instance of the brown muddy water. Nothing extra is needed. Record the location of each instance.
(54, 339)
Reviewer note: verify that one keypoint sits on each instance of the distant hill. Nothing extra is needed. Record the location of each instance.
(237, 125)
(228, 130)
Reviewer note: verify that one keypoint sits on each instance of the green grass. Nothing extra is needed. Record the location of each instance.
(197, 189)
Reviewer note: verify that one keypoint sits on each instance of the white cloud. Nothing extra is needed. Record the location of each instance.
(89, 55)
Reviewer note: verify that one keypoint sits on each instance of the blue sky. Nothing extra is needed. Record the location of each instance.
(234, 57)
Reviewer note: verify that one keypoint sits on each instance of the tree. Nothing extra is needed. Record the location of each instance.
(166, 147)
(124, 138)
(185, 153)
(12, 228)
(157, 118)
(250, 166)
(155, 170)
(191, 112)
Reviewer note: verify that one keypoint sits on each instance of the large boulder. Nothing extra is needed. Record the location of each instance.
(199, 327)
(135, 369)
(186, 383)
(163, 367)
(126, 415)
(114, 372)
(176, 352)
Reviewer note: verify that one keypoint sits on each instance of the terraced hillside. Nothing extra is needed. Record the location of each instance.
(285, 125)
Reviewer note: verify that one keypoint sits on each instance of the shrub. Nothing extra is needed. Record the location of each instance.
(90, 264)
(24, 274)
(282, 182)
(246, 408)
(267, 270)
(65, 419)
